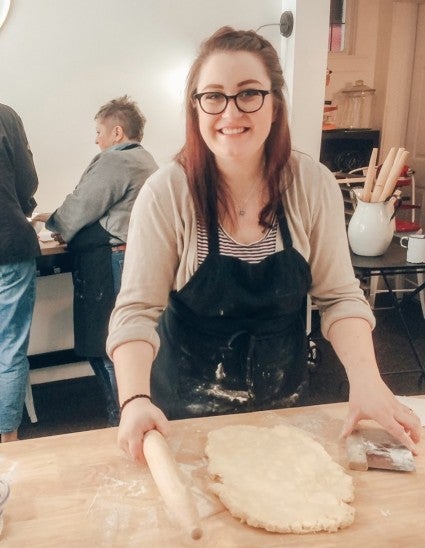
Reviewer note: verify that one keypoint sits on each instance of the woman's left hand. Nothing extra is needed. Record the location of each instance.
(374, 400)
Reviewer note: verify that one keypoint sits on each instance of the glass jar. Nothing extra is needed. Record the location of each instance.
(358, 103)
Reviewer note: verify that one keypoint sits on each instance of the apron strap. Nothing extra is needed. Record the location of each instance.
(283, 226)
(130, 146)
(213, 242)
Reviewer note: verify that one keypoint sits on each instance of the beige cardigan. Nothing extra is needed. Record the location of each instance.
(162, 249)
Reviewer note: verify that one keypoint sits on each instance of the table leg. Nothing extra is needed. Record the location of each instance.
(398, 307)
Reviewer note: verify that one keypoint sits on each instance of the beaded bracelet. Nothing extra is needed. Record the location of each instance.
(134, 398)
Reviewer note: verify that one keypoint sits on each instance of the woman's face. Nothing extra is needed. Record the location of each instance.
(105, 134)
(234, 135)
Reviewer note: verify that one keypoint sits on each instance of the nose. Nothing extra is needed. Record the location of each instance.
(231, 108)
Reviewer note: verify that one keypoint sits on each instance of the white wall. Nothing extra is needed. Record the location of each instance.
(61, 60)
(304, 59)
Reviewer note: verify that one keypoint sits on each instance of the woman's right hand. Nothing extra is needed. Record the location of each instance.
(138, 417)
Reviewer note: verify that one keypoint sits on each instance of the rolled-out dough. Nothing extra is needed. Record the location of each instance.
(279, 479)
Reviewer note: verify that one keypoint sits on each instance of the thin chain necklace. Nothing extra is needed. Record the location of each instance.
(241, 208)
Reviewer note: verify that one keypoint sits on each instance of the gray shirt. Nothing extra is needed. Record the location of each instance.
(106, 193)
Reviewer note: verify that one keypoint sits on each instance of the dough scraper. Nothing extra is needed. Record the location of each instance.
(375, 448)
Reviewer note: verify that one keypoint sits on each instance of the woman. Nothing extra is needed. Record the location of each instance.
(224, 245)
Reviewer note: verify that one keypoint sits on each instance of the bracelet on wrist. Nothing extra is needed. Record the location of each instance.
(134, 398)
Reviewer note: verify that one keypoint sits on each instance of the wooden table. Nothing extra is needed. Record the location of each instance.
(80, 490)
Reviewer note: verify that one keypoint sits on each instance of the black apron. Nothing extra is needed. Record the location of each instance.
(233, 338)
(94, 295)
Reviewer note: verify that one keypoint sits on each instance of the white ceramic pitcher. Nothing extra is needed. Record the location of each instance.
(371, 228)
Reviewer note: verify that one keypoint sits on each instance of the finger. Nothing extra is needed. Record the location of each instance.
(163, 425)
(399, 433)
(349, 424)
(135, 448)
(410, 422)
(122, 444)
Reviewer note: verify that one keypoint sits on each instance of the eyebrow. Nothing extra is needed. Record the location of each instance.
(239, 84)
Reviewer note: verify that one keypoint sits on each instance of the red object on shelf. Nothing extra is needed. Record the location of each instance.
(403, 181)
(406, 226)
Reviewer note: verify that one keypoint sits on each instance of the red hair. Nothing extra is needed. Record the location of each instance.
(198, 161)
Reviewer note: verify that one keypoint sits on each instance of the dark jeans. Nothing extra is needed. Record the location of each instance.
(103, 367)
(104, 371)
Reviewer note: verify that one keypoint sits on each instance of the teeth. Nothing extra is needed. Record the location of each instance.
(232, 130)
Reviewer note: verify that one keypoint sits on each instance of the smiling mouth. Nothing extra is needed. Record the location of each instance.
(233, 130)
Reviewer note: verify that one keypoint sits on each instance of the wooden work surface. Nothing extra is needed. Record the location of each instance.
(52, 248)
(80, 490)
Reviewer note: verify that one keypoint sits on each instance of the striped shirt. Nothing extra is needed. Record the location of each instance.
(251, 253)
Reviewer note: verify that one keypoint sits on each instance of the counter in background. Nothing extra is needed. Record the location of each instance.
(52, 325)
(54, 259)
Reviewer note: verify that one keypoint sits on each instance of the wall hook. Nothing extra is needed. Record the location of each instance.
(286, 24)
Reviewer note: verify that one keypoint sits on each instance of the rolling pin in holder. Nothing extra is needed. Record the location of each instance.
(172, 486)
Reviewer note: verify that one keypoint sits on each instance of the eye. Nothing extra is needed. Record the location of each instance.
(213, 96)
(248, 94)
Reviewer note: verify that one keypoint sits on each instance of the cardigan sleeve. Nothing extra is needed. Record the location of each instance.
(335, 289)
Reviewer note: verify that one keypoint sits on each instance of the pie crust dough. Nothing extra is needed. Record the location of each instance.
(279, 479)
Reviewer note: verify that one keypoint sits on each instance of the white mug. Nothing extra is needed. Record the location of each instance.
(415, 244)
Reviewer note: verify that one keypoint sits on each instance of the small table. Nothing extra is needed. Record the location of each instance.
(391, 263)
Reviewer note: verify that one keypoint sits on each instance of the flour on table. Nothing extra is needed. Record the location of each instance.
(279, 479)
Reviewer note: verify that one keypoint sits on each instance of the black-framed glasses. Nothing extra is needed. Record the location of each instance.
(247, 100)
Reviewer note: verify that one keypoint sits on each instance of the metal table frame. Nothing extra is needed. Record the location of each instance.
(392, 263)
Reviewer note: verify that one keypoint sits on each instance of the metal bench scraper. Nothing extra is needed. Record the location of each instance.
(375, 448)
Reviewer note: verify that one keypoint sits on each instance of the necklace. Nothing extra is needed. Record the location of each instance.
(241, 208)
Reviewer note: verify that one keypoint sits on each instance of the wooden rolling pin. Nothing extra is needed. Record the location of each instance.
(370, 176)
(172, 486)
(383, 174)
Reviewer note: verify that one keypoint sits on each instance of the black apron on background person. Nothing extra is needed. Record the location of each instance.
(94, 295)
(233, 338)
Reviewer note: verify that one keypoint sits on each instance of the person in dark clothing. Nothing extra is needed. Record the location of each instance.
(93, 221)
(18, 249)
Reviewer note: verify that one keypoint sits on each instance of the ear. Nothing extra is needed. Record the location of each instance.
(118, 134)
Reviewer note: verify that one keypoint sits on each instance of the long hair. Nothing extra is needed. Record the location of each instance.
(198, 161)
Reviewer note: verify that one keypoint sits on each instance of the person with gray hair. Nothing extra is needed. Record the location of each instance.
(93, 220)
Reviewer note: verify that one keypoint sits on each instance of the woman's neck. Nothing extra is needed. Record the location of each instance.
(245, 193)
(239, 177)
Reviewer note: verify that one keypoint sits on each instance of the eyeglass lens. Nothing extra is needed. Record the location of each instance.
(249, 100)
